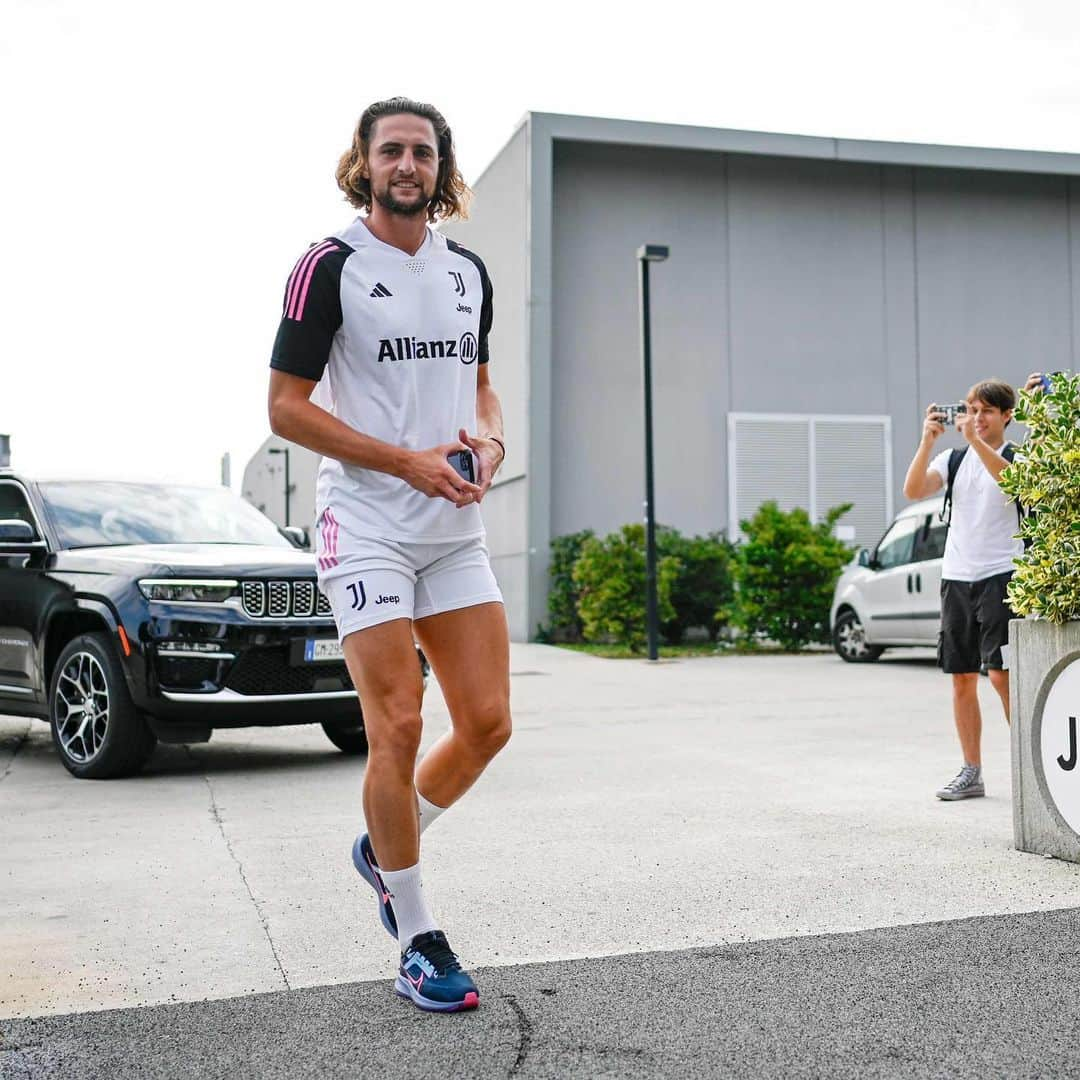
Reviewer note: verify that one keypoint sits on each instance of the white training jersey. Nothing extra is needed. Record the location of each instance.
(394, 340)
(981, 541)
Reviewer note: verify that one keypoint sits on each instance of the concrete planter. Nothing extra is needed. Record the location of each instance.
(1045, 692)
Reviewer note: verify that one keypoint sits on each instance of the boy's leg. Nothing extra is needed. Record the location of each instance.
(994, 615)
(967, 716)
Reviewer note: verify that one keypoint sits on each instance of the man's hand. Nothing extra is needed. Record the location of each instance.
(932, 426)
(489, 454)
(965, 424)
(429, 472)
(1034, 381)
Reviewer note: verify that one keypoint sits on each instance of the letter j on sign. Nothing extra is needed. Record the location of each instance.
(1058, 749)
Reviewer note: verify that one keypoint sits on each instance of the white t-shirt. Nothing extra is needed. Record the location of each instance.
(395, 340)
(981, 540)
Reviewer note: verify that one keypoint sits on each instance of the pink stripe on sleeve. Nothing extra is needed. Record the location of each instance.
(298, 273)
(298, 307)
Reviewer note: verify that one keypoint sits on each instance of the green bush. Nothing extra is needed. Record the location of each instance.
(703, 585)
(1045, 477)
(784, 573)
(610, 577)
(564, 623)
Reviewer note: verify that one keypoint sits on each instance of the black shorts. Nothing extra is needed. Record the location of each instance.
(974, 624)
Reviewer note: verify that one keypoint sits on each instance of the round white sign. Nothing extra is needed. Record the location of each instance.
(1060, 744)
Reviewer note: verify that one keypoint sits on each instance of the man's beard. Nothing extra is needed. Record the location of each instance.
(406, 209)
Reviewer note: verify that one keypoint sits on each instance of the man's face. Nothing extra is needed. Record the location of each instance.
(403, 163)
(989, 421)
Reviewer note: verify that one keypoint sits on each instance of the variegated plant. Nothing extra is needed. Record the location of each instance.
(1045, 478)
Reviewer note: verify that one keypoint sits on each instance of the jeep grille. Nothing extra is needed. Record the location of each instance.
(284, 600)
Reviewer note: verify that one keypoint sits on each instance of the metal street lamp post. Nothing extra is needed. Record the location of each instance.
(288, 487)
(646, 254)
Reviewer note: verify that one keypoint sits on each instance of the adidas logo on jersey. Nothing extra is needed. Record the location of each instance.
(464, 349)
(380, 290)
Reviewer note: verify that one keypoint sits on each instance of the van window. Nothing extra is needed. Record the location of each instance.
(930, 541)
(898, 543)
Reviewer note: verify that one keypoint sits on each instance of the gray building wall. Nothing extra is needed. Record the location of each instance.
(264, 483)
(794, 286)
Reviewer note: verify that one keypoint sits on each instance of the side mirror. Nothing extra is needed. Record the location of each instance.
(296, 536)
(864, 557)
(14, 531)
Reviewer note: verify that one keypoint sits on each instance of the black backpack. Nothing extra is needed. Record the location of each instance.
(1008, 452)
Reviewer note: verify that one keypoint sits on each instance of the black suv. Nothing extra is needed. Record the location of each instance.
(132, 613)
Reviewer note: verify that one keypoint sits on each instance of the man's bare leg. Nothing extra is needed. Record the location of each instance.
(469, 651)
(999, 680)
(383, 665)
(967, 716)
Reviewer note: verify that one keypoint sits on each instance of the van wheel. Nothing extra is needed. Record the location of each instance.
(348, 736)
(849, 640)
(96, 728)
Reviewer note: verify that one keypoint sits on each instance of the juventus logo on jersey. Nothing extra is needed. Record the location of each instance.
(459, 282)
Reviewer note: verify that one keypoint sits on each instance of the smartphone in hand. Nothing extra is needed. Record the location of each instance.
(463, 463)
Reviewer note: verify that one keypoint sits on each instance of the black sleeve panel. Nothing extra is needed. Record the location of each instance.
(487, 313)
(311, 312)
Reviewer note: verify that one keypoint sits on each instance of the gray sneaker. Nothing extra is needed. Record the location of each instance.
(967, 784)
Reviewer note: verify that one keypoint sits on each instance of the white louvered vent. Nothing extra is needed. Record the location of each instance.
(850, 465)
(815, 462)
(771, 463)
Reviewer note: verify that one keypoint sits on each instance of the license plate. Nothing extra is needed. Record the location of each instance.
(317, 650)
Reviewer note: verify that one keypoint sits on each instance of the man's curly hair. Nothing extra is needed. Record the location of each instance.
(451, 192)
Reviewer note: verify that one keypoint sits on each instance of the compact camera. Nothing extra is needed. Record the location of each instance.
(948, 413)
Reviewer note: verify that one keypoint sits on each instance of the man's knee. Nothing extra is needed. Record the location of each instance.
(965, 684)
(393, 730)
(487, 729)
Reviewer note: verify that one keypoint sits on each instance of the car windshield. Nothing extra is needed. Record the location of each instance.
(105, 514)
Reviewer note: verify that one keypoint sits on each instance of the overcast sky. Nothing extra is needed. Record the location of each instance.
(164, 165)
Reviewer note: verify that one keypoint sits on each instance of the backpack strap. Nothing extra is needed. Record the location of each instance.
(955, 459)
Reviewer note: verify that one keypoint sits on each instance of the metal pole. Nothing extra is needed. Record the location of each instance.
(650, 504)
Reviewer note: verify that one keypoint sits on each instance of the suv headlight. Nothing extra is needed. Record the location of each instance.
(183, 589)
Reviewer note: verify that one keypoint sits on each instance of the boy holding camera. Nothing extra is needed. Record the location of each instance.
(978, 564)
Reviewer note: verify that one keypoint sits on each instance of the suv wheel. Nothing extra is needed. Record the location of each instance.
(348, 736)
(96, 728)
(849, 640)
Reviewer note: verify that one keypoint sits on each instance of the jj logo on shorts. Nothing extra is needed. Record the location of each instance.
(359, 597)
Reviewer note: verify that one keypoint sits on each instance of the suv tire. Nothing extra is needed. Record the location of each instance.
(348, 736)
(114, 740)
(849, 640)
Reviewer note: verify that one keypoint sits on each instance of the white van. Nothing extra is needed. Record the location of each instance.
(891, 596)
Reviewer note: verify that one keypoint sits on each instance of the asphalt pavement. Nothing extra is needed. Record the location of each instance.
(731, 865)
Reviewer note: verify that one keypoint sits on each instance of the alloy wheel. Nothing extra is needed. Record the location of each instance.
(81, 708)
(852, 638)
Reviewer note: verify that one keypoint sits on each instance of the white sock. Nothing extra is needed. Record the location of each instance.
(410, 905)
(429, 812)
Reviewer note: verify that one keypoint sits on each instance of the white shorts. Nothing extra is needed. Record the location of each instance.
(370, 581)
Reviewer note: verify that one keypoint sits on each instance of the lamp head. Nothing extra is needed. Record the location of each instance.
(653, 252)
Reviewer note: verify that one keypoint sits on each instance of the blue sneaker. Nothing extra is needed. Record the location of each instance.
(364, 860)
(432, 977)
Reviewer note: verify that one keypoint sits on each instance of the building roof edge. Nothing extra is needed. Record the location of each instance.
(570, 128)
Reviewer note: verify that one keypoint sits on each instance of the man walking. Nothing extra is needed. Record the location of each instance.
(978, 564)
(392, 319)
